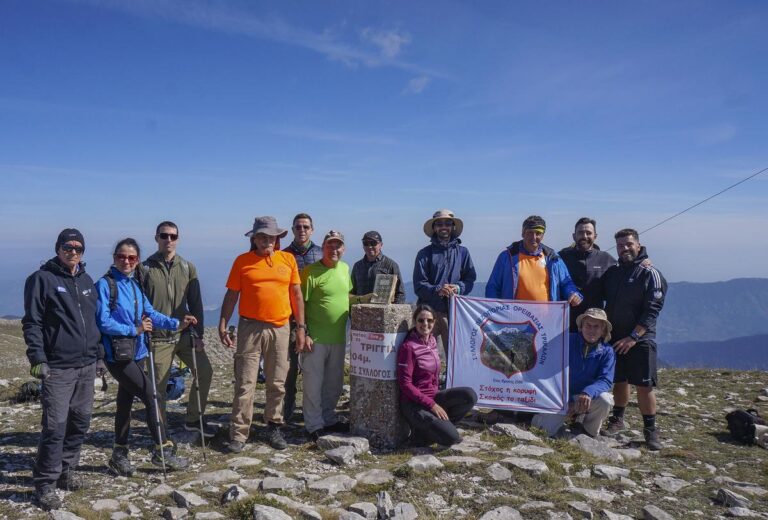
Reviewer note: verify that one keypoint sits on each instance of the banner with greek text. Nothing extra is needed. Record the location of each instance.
(374, 354)
(514, 354)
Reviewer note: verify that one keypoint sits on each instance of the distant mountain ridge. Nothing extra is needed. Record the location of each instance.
(745, 353)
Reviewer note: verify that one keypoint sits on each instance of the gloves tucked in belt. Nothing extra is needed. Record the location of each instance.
(40, 371)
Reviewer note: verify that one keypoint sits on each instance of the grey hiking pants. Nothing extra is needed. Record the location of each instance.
(67, 400)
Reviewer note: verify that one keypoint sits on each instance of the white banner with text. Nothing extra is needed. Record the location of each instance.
(374, 354)
(514, 354)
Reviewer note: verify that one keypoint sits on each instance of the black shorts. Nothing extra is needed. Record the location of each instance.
(638, 366)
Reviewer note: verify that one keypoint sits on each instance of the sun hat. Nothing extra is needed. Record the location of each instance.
(268, 226)
(442, 214)
(596, 314)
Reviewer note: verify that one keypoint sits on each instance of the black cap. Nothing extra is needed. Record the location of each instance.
(372, 235)
(67, 235)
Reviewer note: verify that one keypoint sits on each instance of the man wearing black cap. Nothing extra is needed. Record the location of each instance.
(529, 270)
(375, 262)
(64, 351)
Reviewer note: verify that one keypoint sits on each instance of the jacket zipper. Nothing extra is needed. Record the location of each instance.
(82, 318)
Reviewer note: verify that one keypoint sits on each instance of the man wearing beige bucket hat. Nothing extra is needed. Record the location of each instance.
(591, 364)
(443, 269)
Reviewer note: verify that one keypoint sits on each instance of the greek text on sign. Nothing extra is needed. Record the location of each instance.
(374, 354)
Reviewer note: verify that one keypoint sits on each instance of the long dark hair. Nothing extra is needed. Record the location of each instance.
(422, 307)
(130, 242)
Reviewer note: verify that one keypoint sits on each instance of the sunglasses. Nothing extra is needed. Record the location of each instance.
(443, 223)
(69, 248)
(370, 243)
(425, 320)
(168, 236)
(131, 259)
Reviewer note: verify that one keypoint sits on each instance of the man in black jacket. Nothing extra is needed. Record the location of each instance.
(64, 351)
(634, 293)
(586, 265)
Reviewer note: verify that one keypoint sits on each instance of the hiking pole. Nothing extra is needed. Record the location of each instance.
(193, 337)
(148, 338)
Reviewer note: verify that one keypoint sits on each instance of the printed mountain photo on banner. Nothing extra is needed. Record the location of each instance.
(509, 348)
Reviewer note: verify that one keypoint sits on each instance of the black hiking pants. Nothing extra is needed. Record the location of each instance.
(133, 382)
(456, 402)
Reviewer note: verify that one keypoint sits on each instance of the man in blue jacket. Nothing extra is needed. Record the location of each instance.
(591, 364)
(64, 350)
(443, 268)
(529, 270)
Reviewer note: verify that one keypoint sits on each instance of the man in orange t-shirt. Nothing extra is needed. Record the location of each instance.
(267, 283)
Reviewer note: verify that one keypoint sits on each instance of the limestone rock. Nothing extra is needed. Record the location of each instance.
(610, 472)
(329, 442)
(730, 499)
(289, 485)
(581, 510)
(253, 484)
(629, 453)
(596, 448)
(384, 505)
(498, 472)
(422, 463)
(531, 466)
(743, 512)
(60, 514)
(233, 494)
(307, 512)
(222, 475)
(342, 455)
(670, 484)
(596, 495)
(174, 513)
(536, 504)
(461, 460)
(334, 484)
(652, 512)
(404, 511)
(241, 462)
(163, 490)
(351, 515)
(615, 516)
(502, 513)
(510, 430)
(106, 504)
(187, 499)
(209, 515)
(743, 487)
(472, 445)
(261, 512)
(374, 477)
(527, 450)
(119, 515)
(558, 515)
(365, 510)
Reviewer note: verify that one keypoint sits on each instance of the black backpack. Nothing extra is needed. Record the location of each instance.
(742, 423)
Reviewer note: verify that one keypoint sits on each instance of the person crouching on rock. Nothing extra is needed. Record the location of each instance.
(592, 363)
(124, 315)
(430, 414)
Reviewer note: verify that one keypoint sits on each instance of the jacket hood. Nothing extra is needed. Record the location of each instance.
(54, 265)
(516, 247)
(452, 242)
(638, 259)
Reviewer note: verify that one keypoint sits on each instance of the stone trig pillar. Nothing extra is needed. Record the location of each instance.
(376, 333)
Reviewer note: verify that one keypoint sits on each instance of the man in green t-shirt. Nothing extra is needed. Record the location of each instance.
(325, 285)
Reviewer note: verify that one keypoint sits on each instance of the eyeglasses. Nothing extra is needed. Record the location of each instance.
(370, 243)
(301, 226)
(69, 248)
(443, 223)
(425, 320)
(168, 236)
(131, 259)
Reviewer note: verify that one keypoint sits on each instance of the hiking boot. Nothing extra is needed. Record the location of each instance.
(652, 441)
(172, 461)
(313, 436)
(338, 427)
(234, 446)
(615, 425)
(208, 430)
(47, 499)
(275, 437)
(71, 481)
(119, 462)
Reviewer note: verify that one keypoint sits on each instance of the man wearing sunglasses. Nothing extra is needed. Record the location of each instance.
(306, 252)
(375, 262)
(173, 288)
(443, 268)
(64, 350)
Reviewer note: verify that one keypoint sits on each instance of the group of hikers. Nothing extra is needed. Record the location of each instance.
(293, 306)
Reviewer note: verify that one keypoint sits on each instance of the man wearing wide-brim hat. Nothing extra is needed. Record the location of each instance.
(267, 283)
(443, 269)
(592, 363)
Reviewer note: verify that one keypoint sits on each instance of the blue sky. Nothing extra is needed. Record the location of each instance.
(115, 115)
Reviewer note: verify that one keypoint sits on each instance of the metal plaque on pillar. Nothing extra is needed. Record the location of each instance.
(384, 288)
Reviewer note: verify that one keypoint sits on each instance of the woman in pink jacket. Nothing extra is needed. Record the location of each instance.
(431, 414)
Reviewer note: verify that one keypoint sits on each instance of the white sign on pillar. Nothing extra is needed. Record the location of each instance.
(514, 354)
(374, 354)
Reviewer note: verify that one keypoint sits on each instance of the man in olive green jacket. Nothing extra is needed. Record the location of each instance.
(172, 286)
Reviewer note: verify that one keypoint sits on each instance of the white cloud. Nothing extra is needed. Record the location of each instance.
(389, 42)
(416, 85)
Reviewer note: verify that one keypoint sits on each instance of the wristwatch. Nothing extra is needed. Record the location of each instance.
(635, 336)
(301, 326)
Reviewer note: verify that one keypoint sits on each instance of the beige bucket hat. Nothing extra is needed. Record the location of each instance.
(443, 214)
(597, 314)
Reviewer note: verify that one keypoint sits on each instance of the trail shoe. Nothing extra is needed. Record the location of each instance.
(652, 440)
(71, 481)
(234, 446)
(208, 430)
(119, 462)
(338, 427)
(172, 461)
(313, 436)
(47, 499)
(615, 425)
(275, 437)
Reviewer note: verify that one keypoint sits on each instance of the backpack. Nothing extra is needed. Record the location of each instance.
(741, 425)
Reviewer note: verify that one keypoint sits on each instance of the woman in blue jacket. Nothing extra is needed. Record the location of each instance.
(124, 315)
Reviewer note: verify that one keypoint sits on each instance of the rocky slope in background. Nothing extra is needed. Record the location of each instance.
(500, 471)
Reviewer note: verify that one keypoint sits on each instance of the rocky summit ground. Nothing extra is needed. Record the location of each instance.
(500, 471)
